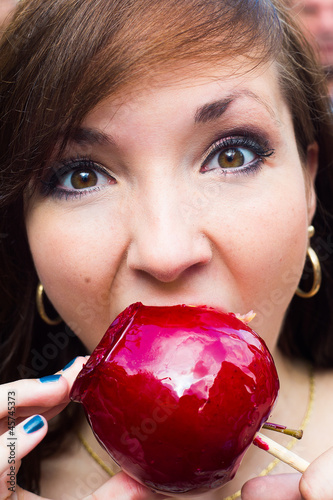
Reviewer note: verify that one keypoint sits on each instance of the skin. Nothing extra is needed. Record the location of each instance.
(317, 18)
(162, 231)
(6, 8)
(165, 226)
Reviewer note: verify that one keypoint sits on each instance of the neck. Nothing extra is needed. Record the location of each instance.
(88, 437)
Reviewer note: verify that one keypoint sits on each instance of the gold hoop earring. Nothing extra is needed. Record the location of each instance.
(316, 270)
(41, 308)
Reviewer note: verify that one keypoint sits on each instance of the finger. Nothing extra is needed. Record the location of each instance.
(277, 487)
(317, 481)
(23, 413)
(17, 442)
(18, 494)
(123, 487)
(72, 369)
(44, 393)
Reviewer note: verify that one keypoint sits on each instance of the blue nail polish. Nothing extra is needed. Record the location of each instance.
(50, 378)
(34, 424)
(69, 364)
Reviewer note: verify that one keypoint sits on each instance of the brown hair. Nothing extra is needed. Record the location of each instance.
(58, 59)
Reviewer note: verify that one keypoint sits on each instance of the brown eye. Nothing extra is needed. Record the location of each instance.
(236, 155)
(231, 158)
(78, 177)
(81, 179)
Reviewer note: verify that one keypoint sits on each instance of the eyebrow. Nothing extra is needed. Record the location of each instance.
(88, 136)
(215, 109)
(206, 113)
(212, 110)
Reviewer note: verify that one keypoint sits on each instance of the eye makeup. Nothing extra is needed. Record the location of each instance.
(237, 153)
(74, 178)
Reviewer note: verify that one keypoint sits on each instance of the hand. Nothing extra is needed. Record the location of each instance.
(25, 407)
(123, 487)
(33, 402)
(315, 484)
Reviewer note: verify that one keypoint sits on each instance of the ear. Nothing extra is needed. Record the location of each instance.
(311, 167)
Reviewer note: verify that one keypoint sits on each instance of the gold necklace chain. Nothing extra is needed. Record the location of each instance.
(95, 456)
(264, 472)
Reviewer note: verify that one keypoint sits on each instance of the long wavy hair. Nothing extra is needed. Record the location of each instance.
(58, 59)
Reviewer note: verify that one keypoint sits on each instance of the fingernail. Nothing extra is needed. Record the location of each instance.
(69, 364)
(34, 424)
(50, 378)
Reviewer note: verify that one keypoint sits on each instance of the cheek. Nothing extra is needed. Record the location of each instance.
(275, 267)
(262, 242)
(77, 258)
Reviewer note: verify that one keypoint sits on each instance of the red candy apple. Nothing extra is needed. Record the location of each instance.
(176, 394)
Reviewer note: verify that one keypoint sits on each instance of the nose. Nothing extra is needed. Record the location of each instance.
(325, 21)
(165, 244)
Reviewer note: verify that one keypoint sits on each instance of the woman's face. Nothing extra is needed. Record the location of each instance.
(186, 191)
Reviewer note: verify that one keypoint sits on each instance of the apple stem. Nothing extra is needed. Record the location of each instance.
(296, 433)
(280, 452)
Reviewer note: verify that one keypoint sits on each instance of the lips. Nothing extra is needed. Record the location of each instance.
(176, 394)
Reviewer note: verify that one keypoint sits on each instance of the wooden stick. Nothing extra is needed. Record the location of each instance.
(296, 433)
(280, 452)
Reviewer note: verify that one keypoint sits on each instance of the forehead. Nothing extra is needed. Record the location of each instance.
(203, 92)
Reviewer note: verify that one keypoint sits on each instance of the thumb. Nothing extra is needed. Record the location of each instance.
(123, 487)
(317, 480)
(277, 487)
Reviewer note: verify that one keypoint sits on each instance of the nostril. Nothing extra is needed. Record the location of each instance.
(166, 261)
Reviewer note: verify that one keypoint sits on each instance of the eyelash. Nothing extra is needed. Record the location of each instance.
(49, 186)
(245, 141)
(254, 145)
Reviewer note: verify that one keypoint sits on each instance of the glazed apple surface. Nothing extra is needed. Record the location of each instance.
(176, 394)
